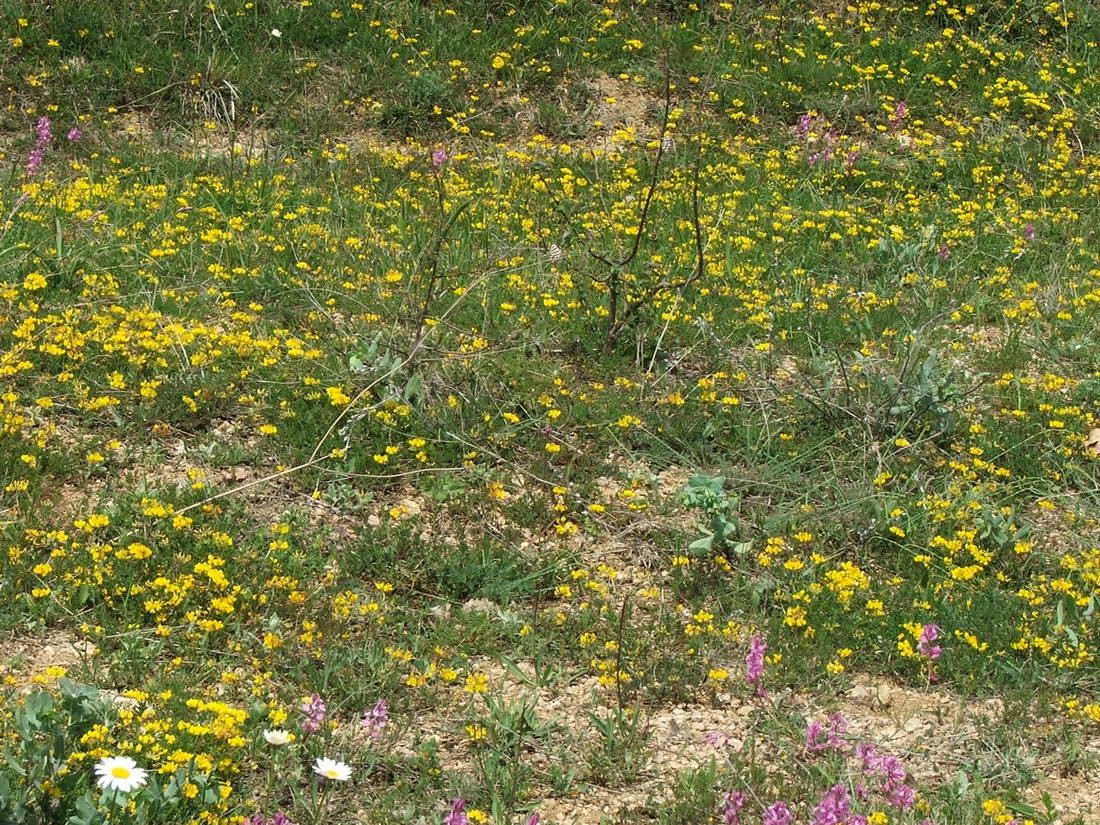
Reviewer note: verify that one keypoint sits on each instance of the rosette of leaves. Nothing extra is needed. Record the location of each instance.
(719, 508)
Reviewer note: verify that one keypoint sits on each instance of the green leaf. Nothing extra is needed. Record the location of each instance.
(86, 813)
(726, 530)
(1048, 803)
(701, 482)
(35, 705)
(412, 388)
(1022, 808)
(741, 547)
(76, 690)
(702, 546)
(16, 767)
(962, 782)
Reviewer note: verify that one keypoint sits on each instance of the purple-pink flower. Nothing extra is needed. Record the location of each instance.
(732, 804)
(838, 726)
(718, 739)
(900, 112)
(777, 814)
(893, 773)
(73, 134)
(34, 160)
(457, 816)
(892, 768)
(834, 808)
(867, 753)
(316, 712)
(928, 634)
(815, 737)
(43, 133)
(278, 819)
(754, 663)
(42, 137)
(818, 739)
(901, 796)
(804, 124)
(376, 719)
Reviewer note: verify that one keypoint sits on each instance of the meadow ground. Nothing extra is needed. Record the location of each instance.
(558, 411)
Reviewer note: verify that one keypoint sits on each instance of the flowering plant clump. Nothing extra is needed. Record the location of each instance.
(315, 713)
(754, 664)
(533, 366)
(457, 815)
(819, 738)
(375, 720)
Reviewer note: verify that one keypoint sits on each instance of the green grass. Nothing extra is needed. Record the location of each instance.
(288, 407)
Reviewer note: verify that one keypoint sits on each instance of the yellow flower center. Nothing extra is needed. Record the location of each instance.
(120, 772)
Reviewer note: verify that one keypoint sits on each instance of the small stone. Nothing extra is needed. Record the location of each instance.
(860, 692)
(884, 695)
(480, 606)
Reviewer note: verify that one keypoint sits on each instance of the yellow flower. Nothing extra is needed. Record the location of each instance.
(477, 683)
(34, 281)
(337, 397)
(476, 733)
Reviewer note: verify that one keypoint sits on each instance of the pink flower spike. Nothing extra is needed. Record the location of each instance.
(732, 804)
(777, 814)
(929, 633)
(43, 134)
(457, 816)
(315, 712)
(718, 739)
(376, 719)
(754, 664)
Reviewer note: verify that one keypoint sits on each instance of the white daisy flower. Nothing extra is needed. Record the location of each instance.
(276, 33)
(331, 769)
(278, 737)
(120, 773)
